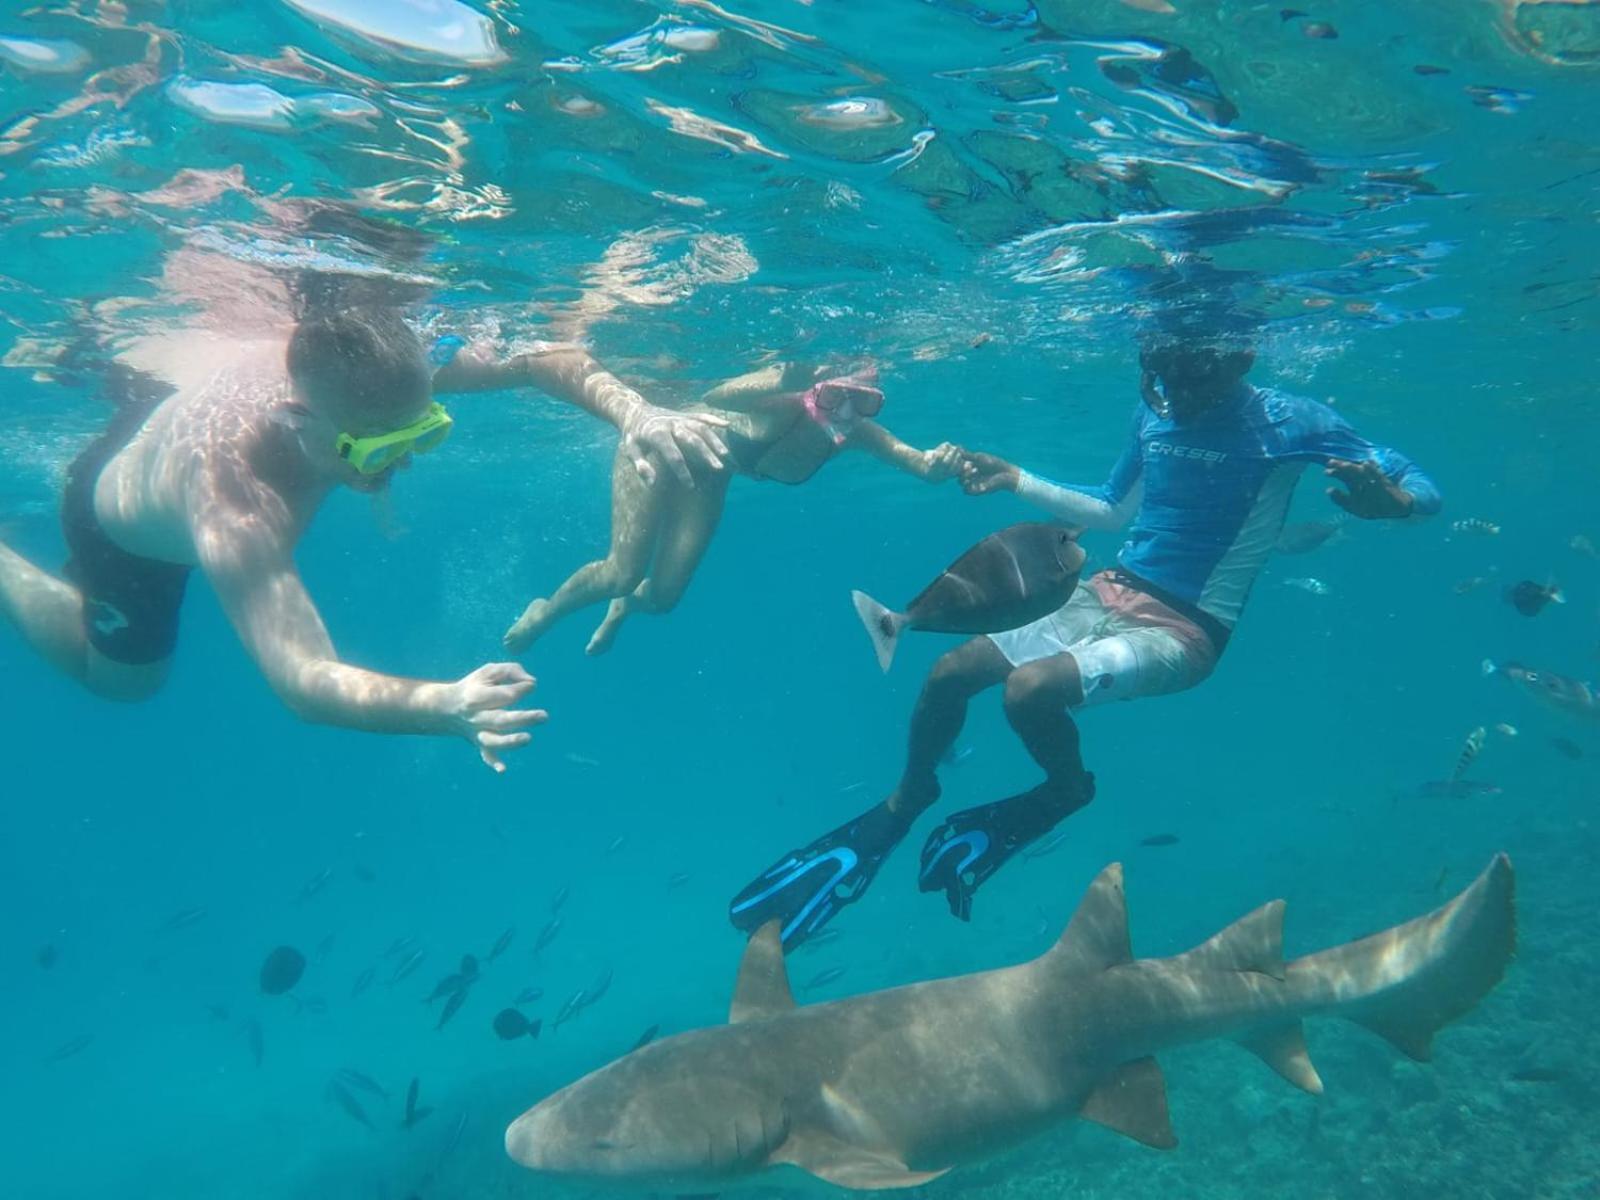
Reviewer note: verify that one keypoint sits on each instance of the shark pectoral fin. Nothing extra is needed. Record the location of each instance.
(1133, 1101)
(1414, 1039)
(1252, 943)
(762, 989)
(1097, 935)
(838, 1162)
(1283, 1048)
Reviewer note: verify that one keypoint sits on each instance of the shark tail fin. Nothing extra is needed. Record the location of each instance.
(1407, 983)
(883, 627)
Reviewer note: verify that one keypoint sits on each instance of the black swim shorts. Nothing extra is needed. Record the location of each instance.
(130, 603)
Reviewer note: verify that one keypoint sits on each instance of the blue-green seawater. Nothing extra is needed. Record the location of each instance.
(983, 201)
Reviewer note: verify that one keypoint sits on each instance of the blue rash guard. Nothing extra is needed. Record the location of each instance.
(1208, 495)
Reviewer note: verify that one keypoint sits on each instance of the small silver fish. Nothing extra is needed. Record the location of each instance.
(601, 985)
(360, 1079)
(548, 934)
(570, 1009)
(1570, 696)
(501, 942)
(315, 884)
(184, 918)
(407, 965)
(413, 1113)
(67, 1049)
(452, 1006)
(338, 1094)
(1475, 525)
(363, 981)
(1044, 846)
(1307, 584)
(824, 977)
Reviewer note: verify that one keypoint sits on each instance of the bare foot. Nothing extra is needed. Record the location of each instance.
(606, 633)
(530, 625)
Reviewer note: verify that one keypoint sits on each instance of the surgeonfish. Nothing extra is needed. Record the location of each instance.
(1023, 572)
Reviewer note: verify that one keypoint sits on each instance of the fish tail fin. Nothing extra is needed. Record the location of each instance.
(883, 627)
(1489, 667)
(1407, 983)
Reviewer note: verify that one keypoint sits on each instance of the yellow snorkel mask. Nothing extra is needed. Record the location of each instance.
(372, 455)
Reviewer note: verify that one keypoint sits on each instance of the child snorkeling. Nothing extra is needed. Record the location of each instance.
(781, 423)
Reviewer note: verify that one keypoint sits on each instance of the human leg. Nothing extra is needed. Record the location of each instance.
(680, 546)
(807, 887)
(637, 510)
(939, 715)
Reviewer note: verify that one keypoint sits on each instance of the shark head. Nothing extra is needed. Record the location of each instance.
(677, 1114)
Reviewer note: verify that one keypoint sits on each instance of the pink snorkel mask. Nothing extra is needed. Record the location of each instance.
(837, 404)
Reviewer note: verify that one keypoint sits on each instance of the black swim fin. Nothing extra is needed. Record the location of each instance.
(807, 887)
(970, 846)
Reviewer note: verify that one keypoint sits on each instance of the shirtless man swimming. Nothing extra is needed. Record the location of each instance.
(226, 473)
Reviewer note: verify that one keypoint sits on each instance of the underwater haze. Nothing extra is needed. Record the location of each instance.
(1397, 203)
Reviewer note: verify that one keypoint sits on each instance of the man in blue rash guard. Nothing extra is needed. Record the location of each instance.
(1205, 482)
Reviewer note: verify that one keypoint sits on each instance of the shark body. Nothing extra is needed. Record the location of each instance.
(894, 1088)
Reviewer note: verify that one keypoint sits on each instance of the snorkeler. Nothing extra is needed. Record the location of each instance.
(227, 471)
(1205, 482)
(781, 423)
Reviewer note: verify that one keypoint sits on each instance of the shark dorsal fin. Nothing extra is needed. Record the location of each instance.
(1097, 935)
(1252, 943)
(1133, 1101)
(1283, 1048)
(762, 989)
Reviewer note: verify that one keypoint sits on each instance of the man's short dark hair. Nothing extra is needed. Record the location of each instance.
(369, 360)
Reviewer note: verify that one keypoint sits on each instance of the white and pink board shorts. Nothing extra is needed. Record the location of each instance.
(1127, 643)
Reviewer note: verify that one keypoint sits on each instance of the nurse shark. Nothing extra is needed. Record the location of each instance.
(894, 1088)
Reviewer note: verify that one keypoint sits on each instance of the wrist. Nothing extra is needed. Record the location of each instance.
(434, 705)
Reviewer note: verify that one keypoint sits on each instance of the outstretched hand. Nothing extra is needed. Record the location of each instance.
(478, 708)
(1373, 496)
(985, 473)
(654, 434)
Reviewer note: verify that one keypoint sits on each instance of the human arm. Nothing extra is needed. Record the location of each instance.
(249, 565)
(754, 390)
(568, 373)
(1110, 506)
(932, 466)
(1380, 483)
